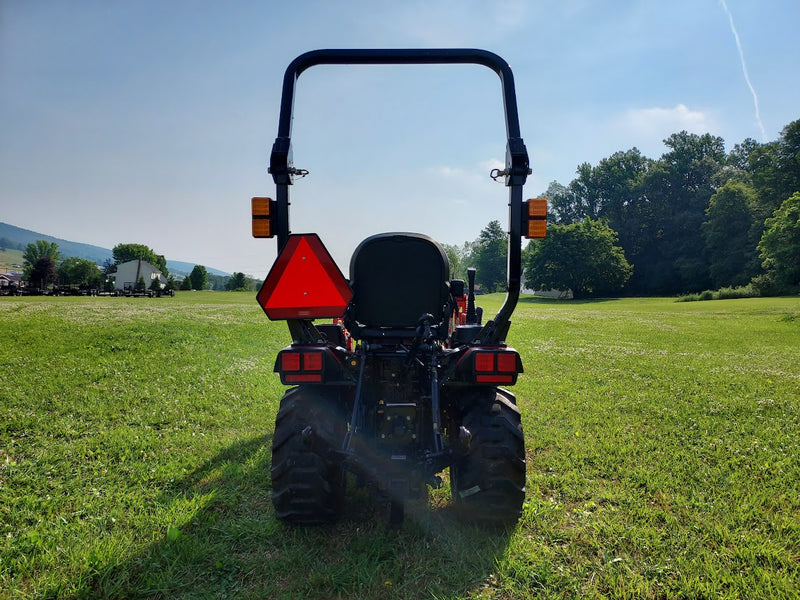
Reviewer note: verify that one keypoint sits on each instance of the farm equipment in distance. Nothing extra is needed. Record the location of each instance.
(405, 382)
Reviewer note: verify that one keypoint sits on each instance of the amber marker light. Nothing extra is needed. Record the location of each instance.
(535, 218)
(263, 212)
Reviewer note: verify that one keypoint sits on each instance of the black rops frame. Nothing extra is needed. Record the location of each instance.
(516, 169)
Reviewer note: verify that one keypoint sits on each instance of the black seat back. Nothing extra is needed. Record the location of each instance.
(397, 278)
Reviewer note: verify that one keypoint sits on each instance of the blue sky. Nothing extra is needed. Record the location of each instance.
(150, 121)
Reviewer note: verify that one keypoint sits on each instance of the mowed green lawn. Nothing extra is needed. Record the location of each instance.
(663, 444)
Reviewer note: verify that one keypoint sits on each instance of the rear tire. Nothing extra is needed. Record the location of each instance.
(307, 481)
(488, 482)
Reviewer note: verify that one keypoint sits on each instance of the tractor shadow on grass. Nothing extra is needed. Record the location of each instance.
(232, 546)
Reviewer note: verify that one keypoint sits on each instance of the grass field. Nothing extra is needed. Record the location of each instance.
(11, 260)
(663, 444)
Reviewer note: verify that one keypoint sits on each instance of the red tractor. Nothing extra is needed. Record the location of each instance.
(405, 382)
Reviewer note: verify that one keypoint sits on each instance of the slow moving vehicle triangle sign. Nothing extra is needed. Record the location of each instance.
(304, 282)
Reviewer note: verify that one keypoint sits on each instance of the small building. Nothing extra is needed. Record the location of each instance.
(9, 281)
(129, 273)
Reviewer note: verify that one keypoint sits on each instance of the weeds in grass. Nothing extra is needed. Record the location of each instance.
(725, 293)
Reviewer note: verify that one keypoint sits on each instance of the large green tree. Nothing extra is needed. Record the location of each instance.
(728, 229)
(237, 282)
(774, 169)
(617, 183)
(42, 272)
(575, 202)
(79, 271)
(560, 205)
(603, 191)
(612, 191)
(125, 252)
(198, 277)
(780, 244)
(677, 190)
(33, 254)
(489, 257)
(455, 257)
(582, 257)
(789, 159)
(739, 156)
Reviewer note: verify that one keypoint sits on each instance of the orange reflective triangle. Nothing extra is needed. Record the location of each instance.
(304, 282)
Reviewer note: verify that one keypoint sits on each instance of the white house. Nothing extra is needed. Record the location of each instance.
(9, 280)
(128, 273)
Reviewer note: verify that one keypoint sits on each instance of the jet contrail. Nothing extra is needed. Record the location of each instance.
(744, 70)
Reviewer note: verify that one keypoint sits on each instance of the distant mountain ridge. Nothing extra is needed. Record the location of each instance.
(17, 237)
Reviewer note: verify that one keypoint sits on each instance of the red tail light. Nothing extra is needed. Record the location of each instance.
(484, 361)
(498, 366)
(507, 362)
(301, 366)
(291, 361)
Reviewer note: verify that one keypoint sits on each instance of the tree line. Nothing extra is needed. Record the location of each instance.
(698, 218)
(7, 244)
(43, 266)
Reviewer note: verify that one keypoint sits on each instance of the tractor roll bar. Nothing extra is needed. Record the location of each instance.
(399, 57)
(516, 169)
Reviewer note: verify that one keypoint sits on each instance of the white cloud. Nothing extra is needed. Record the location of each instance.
(646, 128)
(656, 120)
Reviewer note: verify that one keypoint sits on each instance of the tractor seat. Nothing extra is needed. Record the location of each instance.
(397, 278)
